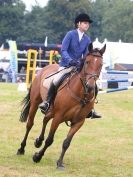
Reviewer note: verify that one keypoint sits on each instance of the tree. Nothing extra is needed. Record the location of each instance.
(112, 19)
(60, 15)
(99, 7)
(117, 22)
(7, 2)
(35, 26)
(11, 21)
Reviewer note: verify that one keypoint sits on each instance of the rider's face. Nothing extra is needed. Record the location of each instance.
(83, 26)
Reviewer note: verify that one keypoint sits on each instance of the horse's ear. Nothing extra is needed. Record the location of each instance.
(90, 47)
(103, 50)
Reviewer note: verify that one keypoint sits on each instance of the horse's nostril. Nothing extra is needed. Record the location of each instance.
(90, 87)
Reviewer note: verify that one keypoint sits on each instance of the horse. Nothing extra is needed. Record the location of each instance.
(74, 100)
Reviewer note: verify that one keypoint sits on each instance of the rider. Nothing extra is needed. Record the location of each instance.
(74, 49)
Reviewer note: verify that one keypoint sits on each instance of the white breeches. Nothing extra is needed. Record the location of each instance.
(63, 71)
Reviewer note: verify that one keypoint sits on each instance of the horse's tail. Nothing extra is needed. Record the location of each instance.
(26, 107)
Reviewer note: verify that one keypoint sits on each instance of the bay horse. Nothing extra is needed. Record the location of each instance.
(73, 102)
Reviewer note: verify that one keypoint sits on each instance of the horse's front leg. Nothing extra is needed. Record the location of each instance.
(39, 140)
(75, 127)
(55, 123)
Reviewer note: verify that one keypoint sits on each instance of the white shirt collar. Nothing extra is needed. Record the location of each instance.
(80, 34)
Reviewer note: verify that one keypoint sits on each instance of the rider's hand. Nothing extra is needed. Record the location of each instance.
(78, 64)
(73, 63)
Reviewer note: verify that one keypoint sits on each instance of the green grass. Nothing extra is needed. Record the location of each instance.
(101, 148)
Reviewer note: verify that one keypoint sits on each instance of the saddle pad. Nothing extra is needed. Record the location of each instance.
(48, 81)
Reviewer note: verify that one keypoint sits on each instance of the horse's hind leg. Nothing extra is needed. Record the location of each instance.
(67, 142)
(30, 122)
(39, 140)
(38, 156)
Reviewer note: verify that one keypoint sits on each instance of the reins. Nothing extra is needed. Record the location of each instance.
(83, 101)
(56, 73)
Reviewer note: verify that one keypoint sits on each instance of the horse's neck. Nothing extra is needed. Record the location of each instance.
(76, 84)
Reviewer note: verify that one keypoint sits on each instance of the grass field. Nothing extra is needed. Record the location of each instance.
(101, 148)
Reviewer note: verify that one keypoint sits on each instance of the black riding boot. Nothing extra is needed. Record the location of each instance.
(44, 106)
(93, 115)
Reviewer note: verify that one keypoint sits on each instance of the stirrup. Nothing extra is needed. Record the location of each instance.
(44, 108)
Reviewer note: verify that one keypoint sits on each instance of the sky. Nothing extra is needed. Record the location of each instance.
(30, 3)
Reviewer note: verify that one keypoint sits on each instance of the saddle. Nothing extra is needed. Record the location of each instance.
(49, 79)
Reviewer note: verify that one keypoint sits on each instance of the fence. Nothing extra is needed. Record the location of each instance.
(115, 79)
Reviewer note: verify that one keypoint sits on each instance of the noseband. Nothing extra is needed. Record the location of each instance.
(91, 75)
(83, 101)
(95, 54)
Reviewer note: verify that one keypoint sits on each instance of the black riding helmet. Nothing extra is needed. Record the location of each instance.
(82, 18)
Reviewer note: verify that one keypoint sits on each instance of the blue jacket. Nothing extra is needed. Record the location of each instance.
(72, 49)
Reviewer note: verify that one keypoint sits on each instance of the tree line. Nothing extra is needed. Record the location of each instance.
(113, 19)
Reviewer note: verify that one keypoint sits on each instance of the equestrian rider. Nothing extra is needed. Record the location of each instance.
(74, 49)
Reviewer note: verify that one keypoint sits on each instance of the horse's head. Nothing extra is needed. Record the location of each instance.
(92, 66)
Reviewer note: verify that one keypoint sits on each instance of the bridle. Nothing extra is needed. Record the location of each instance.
(84, 80)
(95, 54)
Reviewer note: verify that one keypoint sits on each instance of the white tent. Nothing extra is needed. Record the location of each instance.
(116, 52)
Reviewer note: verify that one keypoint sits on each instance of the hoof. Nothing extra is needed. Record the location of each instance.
(36, 157)
(20, 152)
(38, 143)
(60, 166)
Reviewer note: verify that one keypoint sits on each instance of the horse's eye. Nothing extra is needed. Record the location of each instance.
(87, 62)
